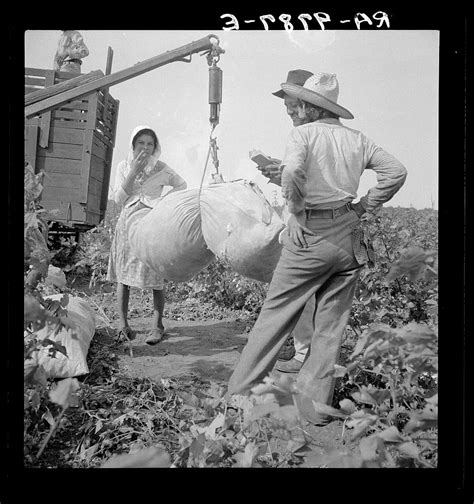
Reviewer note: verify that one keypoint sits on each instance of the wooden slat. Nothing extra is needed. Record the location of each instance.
(93, 201)
(33, 81)
(107, 119)
(62, 180)
(67, 136)
(46, 116)
(87, 149)
(114, 130)
(63, 123)
(99, 148)
(53, 193)
(95, 187)
(67, 114)
(75, 211)
(111, 102)
(31, 145)
(92, 113)
(29, 89)
(34, 121)
(103, 138)
(75, 105)
(104, 114)
(97, 170)
(60, 150)
(108, 161)
(35, 71)
(104, 130)
(107, 124)
(59, 165)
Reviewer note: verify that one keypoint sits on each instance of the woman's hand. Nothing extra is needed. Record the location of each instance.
(297, 229)
(139, 163)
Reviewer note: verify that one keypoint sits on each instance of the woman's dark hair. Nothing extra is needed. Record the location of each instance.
(146, 131)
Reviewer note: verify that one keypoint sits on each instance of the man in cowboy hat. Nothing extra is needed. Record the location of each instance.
(303, 331)
(323, 246)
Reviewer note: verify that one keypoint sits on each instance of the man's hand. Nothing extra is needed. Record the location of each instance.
(272, 171)
(297, 229)
(358, 209)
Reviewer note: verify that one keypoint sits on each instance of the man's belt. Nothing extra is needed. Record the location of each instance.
(330, 213)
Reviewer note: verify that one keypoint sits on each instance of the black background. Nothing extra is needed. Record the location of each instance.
(450, 482)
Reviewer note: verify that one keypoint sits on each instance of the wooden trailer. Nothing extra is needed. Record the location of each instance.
(70, 125)
(73, 145)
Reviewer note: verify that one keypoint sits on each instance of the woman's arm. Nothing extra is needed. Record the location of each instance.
(136, 166)
(124, 184)
(175, 181)
(179, 187)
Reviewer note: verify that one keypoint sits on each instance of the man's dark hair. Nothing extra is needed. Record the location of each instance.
(323, 113)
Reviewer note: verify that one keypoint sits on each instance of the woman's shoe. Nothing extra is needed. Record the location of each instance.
(155, 336)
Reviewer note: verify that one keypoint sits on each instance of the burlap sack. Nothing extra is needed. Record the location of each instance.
(168, 238)
(75, 339)
(240, 225)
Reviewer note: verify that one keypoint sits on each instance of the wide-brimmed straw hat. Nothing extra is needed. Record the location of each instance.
(320, 89)
(294, 77)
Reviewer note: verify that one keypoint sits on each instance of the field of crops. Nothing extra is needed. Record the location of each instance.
(385, 404)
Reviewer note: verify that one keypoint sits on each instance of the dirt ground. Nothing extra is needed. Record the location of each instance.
(209, 349)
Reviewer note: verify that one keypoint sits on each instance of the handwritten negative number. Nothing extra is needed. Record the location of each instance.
(320, 17)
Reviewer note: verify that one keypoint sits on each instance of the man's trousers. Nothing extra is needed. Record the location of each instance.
(328, 270)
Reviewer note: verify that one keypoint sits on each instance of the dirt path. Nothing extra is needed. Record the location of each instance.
(199, 343)
(209, 349)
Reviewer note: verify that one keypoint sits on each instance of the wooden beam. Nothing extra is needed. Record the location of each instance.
(46, 92)
(108, 65)
(108, 71)
(121, 76)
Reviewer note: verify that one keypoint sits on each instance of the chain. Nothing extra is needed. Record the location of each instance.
(214, 149)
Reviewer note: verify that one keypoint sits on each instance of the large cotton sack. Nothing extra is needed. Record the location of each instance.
(168, 238)
(240, 225)
(75, 339)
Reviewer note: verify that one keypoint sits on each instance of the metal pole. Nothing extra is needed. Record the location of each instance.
(121, 76)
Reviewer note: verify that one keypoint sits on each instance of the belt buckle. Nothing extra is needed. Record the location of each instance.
(333, 213)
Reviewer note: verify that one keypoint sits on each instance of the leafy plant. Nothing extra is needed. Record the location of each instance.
(40, 313)
(385, 398)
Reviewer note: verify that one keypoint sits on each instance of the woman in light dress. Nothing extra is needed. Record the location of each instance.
(133, 195)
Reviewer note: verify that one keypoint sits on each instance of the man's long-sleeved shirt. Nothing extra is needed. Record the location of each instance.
(324, 161)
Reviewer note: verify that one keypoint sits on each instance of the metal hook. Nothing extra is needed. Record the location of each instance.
(184, 59)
